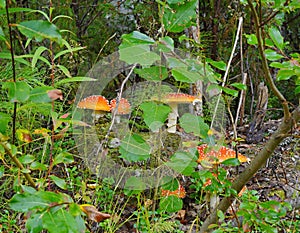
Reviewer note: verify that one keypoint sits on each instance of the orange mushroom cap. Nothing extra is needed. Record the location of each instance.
(123, 107)
(95, 102)
(180, 192)
(178, 98)
(217, 157)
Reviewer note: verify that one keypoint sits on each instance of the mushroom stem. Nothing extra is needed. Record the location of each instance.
(172, 118)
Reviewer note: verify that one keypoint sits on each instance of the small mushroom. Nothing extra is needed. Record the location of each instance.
(180, 192)
(173, 99)
(98, 103)
(217, 157)
(124, 107)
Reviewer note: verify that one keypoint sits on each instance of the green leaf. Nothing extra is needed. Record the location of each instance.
(251, 39)
(19, 59)
(14, 10)
(276, 37)
(63, 157)
(40, 94)
(74, 79)
(155, 114)
(166, 44)
(139, 54)
(170, 204)
(285, 74)
(39, 30)
(38, 166)
(34, 224)
(239, 86)
(169, 183)
(37, 55)
(17, 91)
(183, 163)
(177, 17)
(271, 55)
(135, 38)
(59, 182)
(4, 120)
(153, 73)
(218, 64)
(60, 221)
(297, 90)
(194, 124)
(64, 70)
(231, 92)
(182, 74)
(26, 159)
(134, 148)
(69, 50)
(2, 35)
(231, 162)
(2, 3)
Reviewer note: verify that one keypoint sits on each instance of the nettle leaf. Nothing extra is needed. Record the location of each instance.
(155, 114)
(4, 120)
(140, 54)
(17, 91)
(276, 37)
(177, 17)
(135, 38)
(183, 163)
(39, 30)
(271, 55)
(284, 74)
(182, 74)
(170, 204)
(153, 73)
(134, 148)
(194, 124)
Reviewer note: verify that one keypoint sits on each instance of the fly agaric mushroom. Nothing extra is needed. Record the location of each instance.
(180, 192)
(217, 157)
(98, 103)
(123, 107)
(173, 99)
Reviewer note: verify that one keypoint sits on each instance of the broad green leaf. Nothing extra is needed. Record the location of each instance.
(39, 30)
(40, 94)
(37, 55)
(5, 55)
(135, 38)
(251, 39)
(25, 159)
(177, 17)
(74, 79)
(297, 90)
(59, 182)
(17, 91)
(4, 120)
(153, 73)
(239, 86)
(155, 114)
(183, 75)
(27, 201)
(139, 54)
(60, 221)
(271, 55)
(169, 183)
(284, 74)
(34, 223)
(63, 157)
(218, 64)
(14, 10)
(134, 148)
(279, 65)
(231, 92)
(183, 163)
(231, 162)
(170, 204)
(194, 124)
(276, 37)
(38, 166)
(166, 44)
(134, 185)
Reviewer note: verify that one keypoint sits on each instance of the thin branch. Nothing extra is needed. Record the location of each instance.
(265, 66)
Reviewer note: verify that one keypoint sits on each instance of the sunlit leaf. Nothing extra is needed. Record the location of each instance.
(251, 39)
(39, 30)
(230, 91)
(135, 38)
(74, 79)
(272, 55)
(239, 86)
(285, 74)
(153, 73)
(276, 37)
